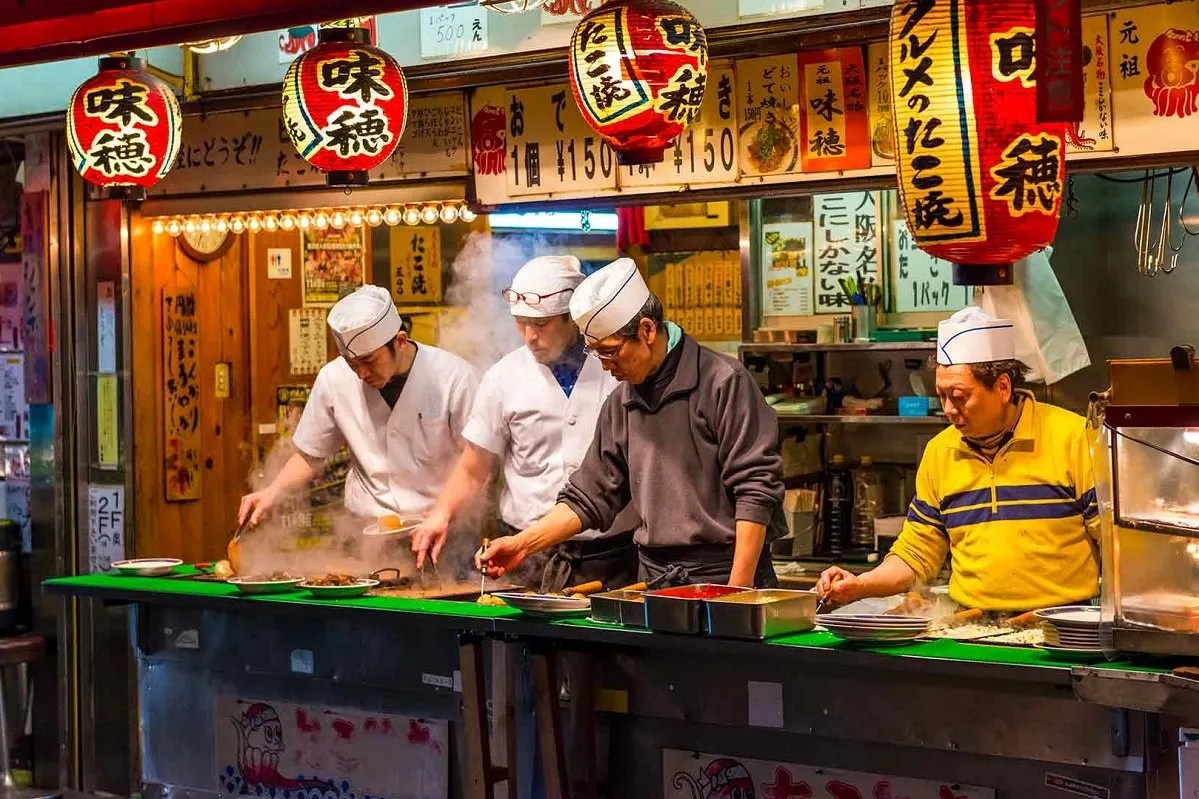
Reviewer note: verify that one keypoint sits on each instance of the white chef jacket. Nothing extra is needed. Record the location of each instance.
(522, 415)
(399, 457)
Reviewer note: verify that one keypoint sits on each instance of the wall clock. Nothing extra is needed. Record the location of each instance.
(205, 247)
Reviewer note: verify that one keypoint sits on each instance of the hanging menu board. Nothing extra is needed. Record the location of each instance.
(181, 394)
(768, 115)
(834, 119)
(922, 282)
(416, 265)
(787, 262)
(847, 245)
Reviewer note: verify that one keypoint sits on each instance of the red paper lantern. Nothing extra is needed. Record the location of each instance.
(345, 105)
(638, 69)
(123, 128)
(980, 179)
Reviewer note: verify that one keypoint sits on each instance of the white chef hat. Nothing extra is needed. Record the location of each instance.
(974, 336)
(608, 299)
(364, 321)
(554, 277)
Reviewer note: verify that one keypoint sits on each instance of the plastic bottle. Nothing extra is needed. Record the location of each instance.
(866, 496)
(837, 512)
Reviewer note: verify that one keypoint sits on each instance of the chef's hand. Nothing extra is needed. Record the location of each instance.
(840, 586)
(501, 556)
(256, 506)
(428, 539)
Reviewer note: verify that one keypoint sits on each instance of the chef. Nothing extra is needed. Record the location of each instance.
(398, 407)
(687, 439)
(535, 414)
(1007, 492)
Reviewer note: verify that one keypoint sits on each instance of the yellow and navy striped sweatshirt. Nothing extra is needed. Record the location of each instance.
(1022, 531)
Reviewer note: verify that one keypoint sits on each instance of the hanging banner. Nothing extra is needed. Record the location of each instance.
(334, 264)
(787, 261)
(416, 265)
(1094, 133)
(882, 114)
(834, 120)
(1155, 77)
(847, 245)
(1059, 61)
(181, 395)
(921, 282)
(768, 115)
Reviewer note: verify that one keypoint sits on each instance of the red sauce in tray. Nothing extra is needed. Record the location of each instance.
(697, 592)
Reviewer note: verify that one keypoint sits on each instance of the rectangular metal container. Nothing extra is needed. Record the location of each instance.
(681, 610)
(619, 607)
(764, 613)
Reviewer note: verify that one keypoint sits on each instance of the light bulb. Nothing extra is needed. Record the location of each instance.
(392, 216)
(321, 222)
(158, 226)
(238, 225)
(287, 222)
(205, 226)
(174, 228)
(189, 226)
(356, 218)
(449, 214)
(467, 215)
(338, 220)
(222, 225)
(270, 223)
(374, 217)
(411, 216)
(304, 222)
(429, 214)
(254, 224)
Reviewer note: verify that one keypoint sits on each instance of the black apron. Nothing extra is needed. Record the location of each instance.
(612, 561)
(699, 563)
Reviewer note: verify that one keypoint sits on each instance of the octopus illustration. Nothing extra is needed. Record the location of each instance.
(488, 139)
(1173, 82)
(260, 744)
(723, 778)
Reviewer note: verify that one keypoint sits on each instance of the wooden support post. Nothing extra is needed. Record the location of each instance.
(549, 728)
(479, 773)
(584, 771)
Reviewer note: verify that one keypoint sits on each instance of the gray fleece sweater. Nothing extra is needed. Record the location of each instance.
(705, 457)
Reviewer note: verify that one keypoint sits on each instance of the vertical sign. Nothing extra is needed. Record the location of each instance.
(11, 291)
(452, 30)
(107, 426)
(787, 260)
(106, 326)
(14, 410)
(1059, 60)
(416, 265)
(35, 314)
(334, 264)
(181, 394)
(307, 340)
(921, 281)
(847, 245)
(834, 120)
(105, 526)
(768, 118)
(1094, 132)
(882, 114)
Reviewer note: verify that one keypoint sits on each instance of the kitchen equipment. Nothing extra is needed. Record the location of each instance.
(625, 607)
(763, 613)
(145, 567)
(681, 609)
(250, 585)
(585, 589)
(483, 570)
(357, 588)
(545, 605)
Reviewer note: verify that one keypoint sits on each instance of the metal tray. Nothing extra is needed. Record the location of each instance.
(619, 607)
(760, 614)
(681, 610)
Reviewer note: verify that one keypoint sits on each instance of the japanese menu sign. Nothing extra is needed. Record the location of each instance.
(416, 265)
(1094, 132)
(181, 394)
(768, 115)
(847, 245)
(787, 263)
(308, 348)
(707, 150)
(1154, 63)
(922, 282)
(453, 30)
(882, 115)
(334, 264)
(105, 526)
(834, 119)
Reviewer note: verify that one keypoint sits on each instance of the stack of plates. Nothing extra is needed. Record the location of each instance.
(1073, 630)
(873, 628)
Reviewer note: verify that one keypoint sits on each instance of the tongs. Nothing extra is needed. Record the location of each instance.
(241, 528)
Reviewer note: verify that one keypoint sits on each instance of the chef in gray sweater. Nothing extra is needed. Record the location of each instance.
(687, 439)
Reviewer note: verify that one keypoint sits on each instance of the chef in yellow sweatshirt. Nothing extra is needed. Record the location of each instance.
(1007, 492)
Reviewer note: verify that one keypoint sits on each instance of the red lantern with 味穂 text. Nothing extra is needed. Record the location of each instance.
(638, 69)
(980, 179)
(124, 128)
(345, 105)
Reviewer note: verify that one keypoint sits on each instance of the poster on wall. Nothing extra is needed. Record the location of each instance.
(834, 117)
(334, 264)
(695, 775)
(181, 395)
(922, 282)
(787, 259)
(1094, 132)
(275, 749)
(11, 289)
(105, 526)
(307, 340)
(289, 406)
(416, 265)
(768, 115)
(847, 245)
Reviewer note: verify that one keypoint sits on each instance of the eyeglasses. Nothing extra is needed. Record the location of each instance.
(532, 299)
(607, 354)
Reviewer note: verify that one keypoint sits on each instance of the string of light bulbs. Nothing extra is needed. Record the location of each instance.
(315, 218)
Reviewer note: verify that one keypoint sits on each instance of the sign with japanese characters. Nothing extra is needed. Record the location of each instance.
(707, 150)
(882, 115)
(416, 265)
(1094, 132)
(687, 775)
(1155, 77)
(181, 394)
(105, 526)
(921, 282)
(834, 119)
(334, 264)
(762, 8)
(847, 245)
(1059, 61)
(308, 342)
(768, 115)
(787, 263)
(455, 30)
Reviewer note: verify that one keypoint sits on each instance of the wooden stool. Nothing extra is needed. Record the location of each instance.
(19, 651)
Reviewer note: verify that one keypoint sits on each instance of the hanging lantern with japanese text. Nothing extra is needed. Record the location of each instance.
(124, 128)
(345, 105)
(638, 69)
(980, 179)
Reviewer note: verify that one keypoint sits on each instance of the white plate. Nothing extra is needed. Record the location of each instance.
(542, 605)
(147, 567)
(1077, 616)
(1072, 652)
(872, 639)
(265, 586)
(373, 531)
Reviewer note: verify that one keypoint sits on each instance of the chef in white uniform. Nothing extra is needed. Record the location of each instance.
(535, 416)
(398, 407)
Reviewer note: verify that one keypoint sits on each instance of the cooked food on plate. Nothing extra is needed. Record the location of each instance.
(223, 570)
(272, 577)
(390, 522)
(332, 580)
(488, 599)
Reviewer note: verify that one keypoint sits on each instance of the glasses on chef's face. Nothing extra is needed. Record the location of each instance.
(607, 353)
(529, 298)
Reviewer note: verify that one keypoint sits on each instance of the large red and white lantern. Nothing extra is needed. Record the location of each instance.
(345, 105)
(124, 128)
(638, 69)
(980, 180)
